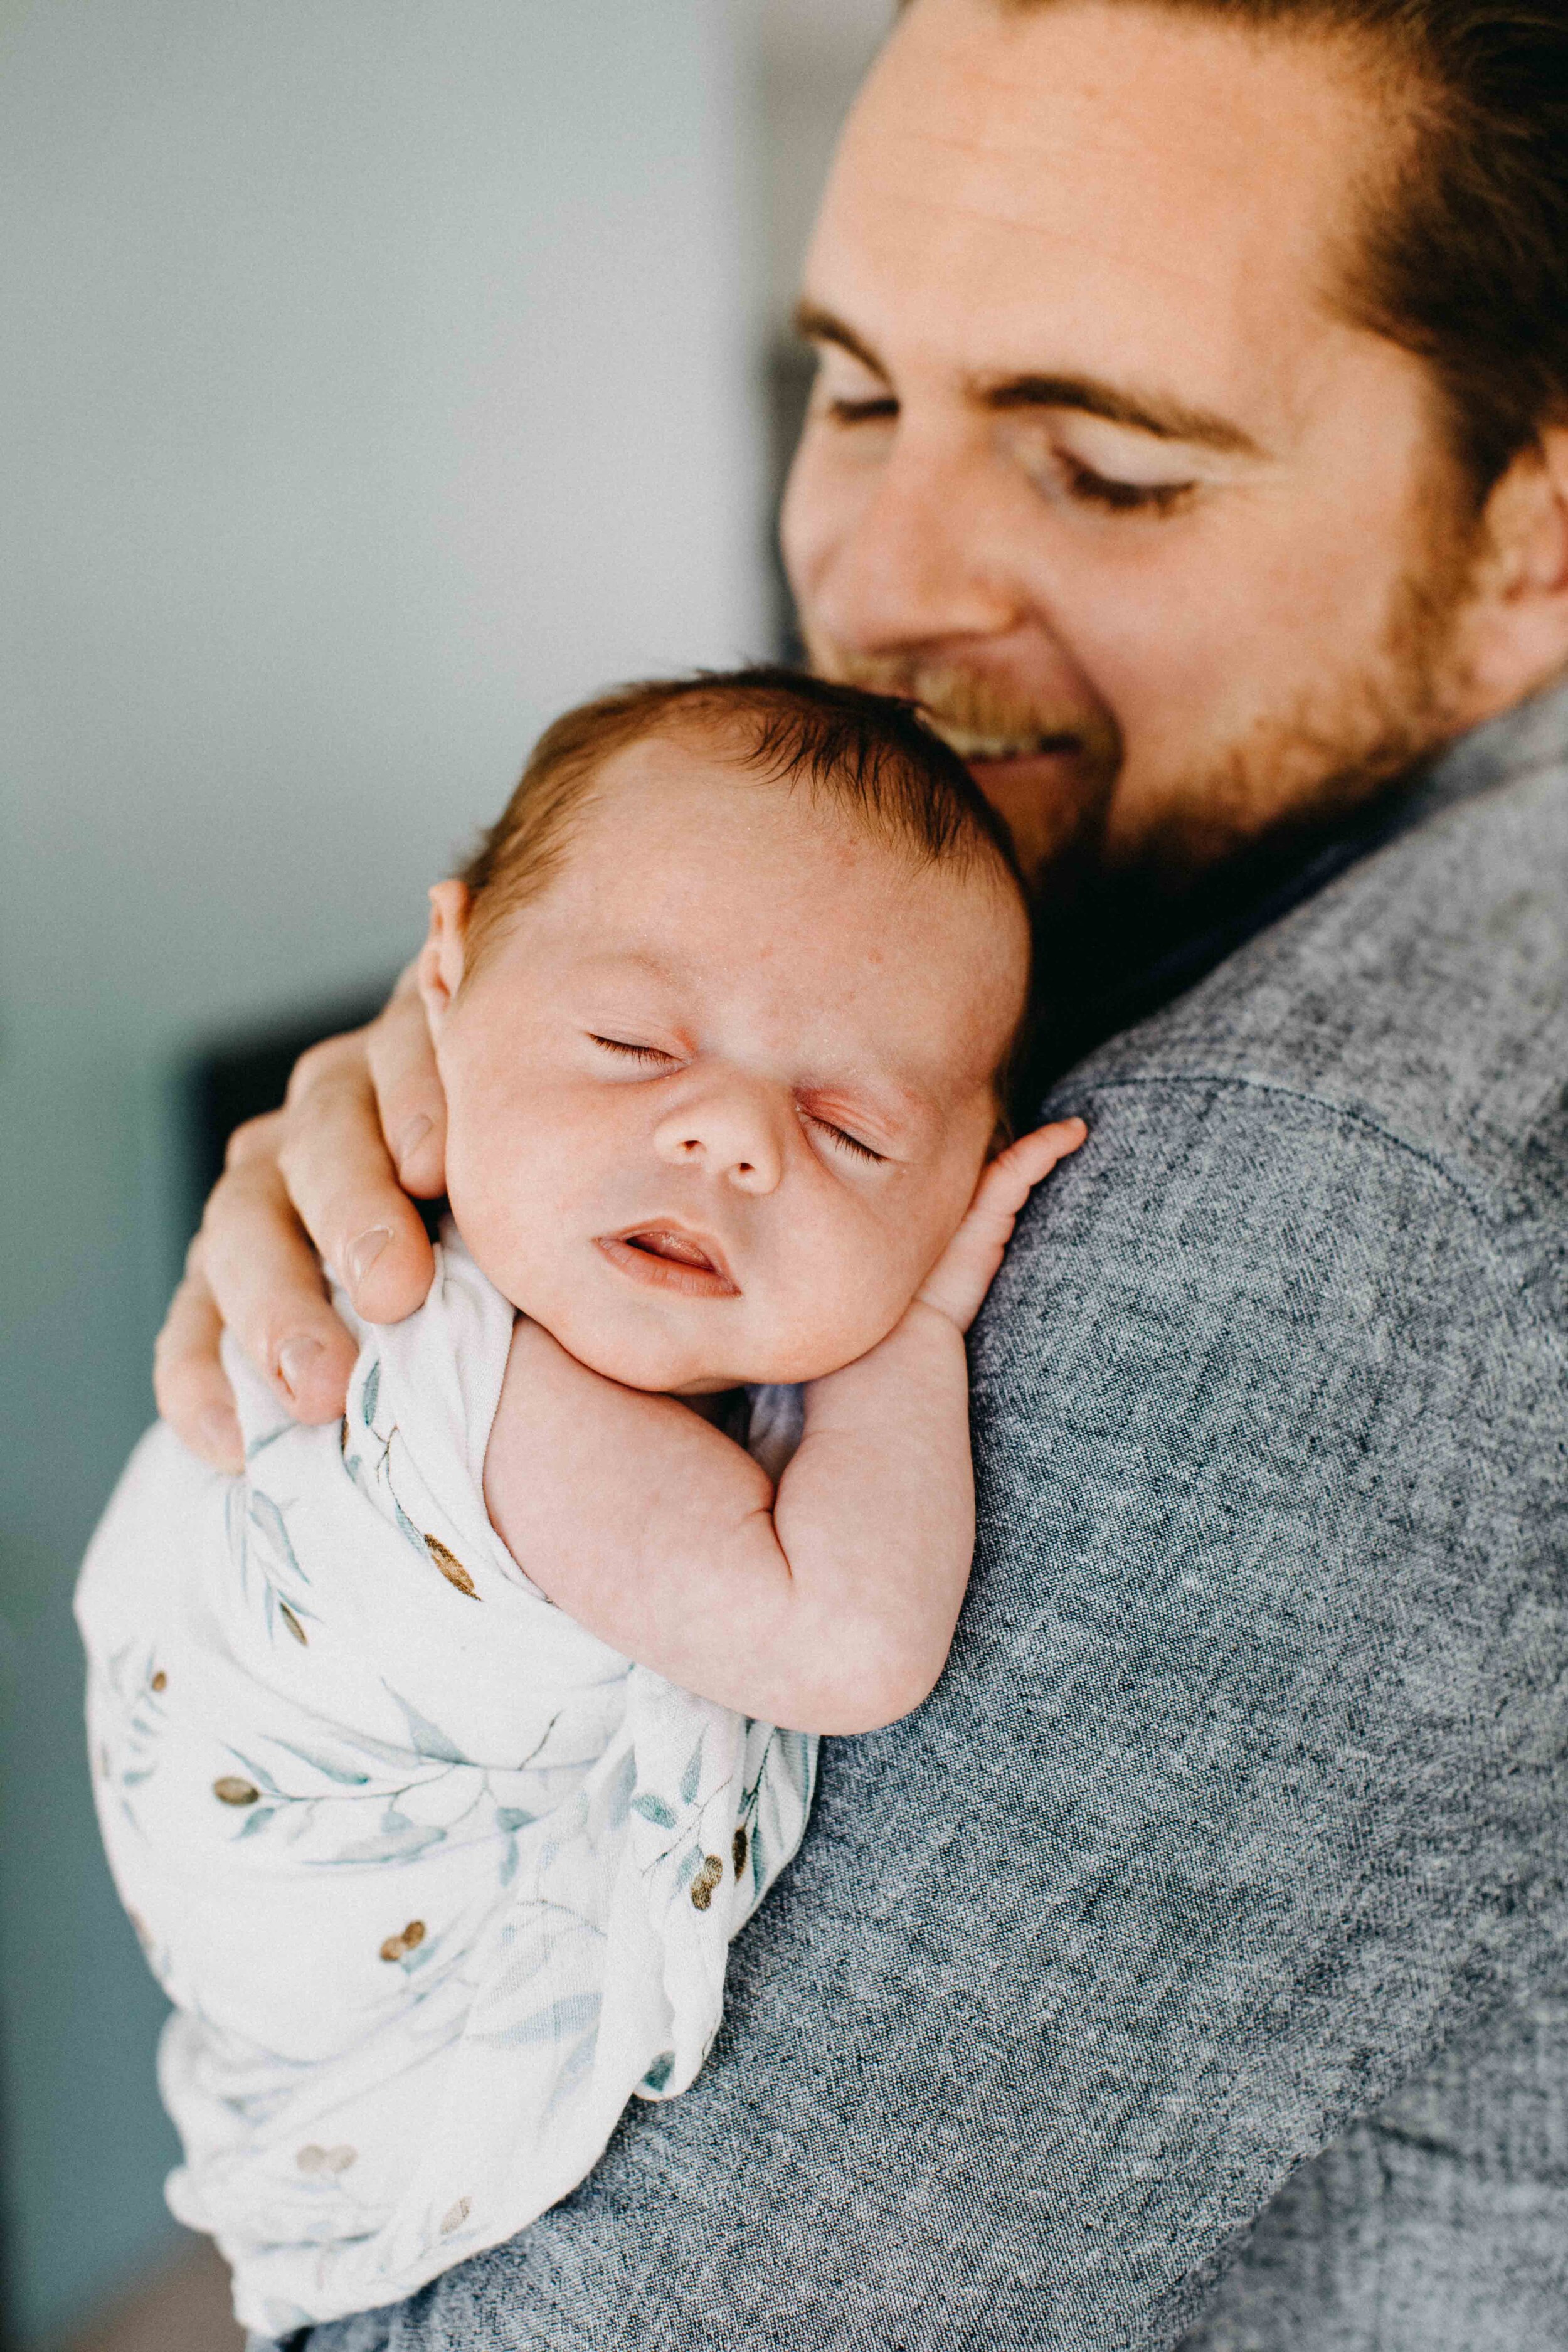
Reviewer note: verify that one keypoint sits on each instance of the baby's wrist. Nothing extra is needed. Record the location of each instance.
(926, 1310)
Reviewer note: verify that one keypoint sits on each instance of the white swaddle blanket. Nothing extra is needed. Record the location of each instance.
(436, 1880)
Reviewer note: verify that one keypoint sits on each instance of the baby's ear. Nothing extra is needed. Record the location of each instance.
(441, 959)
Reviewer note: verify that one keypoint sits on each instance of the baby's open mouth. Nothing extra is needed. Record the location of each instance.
(669, 1258)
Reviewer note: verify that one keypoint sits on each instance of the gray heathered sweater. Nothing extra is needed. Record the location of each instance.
(1235, 1831)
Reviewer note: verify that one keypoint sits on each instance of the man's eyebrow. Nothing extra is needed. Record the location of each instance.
(1158, 414)
(815, 325)
(1166, 418)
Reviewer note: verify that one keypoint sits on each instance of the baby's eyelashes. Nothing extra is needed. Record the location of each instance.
(653, 1059)
(649, 1056)
(841, 1139)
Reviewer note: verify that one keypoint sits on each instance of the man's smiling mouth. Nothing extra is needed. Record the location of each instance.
(970, 744)
(665, 1257)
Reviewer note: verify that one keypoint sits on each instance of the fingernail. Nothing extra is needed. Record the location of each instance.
(296, 1361)
(364, 1253)
(412, 1137)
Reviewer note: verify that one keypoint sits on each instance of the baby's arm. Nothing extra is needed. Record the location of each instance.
(829, 1607)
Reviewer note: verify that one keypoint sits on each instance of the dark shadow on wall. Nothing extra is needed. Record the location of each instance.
(239, 1078)
(788, 368)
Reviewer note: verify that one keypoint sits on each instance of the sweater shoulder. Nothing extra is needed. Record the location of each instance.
(1423, 996)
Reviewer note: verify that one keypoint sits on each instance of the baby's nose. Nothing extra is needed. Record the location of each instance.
(726, 1138)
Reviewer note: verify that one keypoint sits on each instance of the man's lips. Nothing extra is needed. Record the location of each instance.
(665, 1257)
(978, 750)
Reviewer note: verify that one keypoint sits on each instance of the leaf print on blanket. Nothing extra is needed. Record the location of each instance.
(398, 1946)
(706, 1880)
(572, 2012)
(259, 1540)
(451, 1567)
(510, 1819)
(129, 1682)
(397, 1840)
(434, 1549)
(425, 1739)
(269, 1524)
(572, 2025)
(292, 1815)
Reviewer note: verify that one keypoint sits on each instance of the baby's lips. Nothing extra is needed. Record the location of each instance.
(658, 1243)
(664, 1241)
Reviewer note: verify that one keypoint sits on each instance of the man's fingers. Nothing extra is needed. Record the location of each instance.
(188, 1379)
(333, 1164)
(266, 1286)
(408, 1094)
(361, 1111)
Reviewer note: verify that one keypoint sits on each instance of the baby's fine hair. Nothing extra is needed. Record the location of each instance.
(869, 755)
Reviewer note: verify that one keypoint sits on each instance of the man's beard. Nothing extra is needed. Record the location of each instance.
(1231, 829)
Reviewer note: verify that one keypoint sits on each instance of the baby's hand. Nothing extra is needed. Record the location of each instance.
(964, 1272)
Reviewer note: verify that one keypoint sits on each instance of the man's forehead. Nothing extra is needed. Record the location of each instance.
(1118, 170)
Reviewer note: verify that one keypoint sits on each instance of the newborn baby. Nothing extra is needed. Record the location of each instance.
(436, 1755)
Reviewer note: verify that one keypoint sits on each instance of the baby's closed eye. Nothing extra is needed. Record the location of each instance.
(649, 1056)
(842, 1140)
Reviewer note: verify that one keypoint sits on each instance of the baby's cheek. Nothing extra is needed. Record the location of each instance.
(490, 1196)
(860, 1287)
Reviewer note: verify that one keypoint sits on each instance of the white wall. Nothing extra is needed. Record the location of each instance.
(376, 379)
(379, 385)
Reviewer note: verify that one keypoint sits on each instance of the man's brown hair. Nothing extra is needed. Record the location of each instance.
(1463, 254)
(867, 754)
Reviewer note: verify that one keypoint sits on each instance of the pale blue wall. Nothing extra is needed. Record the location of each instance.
(376, 379)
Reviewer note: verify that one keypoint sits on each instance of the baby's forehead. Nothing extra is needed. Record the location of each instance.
(901, 1019)
(691, 872)
(707, 781)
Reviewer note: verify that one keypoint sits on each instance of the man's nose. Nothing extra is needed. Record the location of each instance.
(914, 562)
(728, 1133)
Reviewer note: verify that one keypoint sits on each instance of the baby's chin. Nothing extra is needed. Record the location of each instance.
(682, 1348)
(679, 1361)
(677, 1367)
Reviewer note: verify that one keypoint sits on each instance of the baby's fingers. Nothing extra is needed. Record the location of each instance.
(1013, 1175)
(961, 1277)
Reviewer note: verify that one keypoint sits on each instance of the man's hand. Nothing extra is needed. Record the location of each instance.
(958, 1281)
(325, 1179)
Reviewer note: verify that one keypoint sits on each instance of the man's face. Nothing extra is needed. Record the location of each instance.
(1093, 467)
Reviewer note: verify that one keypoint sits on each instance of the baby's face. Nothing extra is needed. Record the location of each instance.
(719, 1095)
